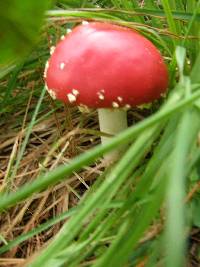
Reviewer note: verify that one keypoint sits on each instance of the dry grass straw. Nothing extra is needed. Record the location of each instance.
(48, 147)
(54, 140)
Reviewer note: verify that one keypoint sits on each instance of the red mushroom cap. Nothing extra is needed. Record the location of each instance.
(102, 65)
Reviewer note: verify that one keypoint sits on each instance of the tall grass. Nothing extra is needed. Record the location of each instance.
(150, 184)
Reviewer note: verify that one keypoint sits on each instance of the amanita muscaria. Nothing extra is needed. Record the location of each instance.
(108, 67)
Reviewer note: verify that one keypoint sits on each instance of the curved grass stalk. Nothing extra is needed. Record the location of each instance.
(55, 176)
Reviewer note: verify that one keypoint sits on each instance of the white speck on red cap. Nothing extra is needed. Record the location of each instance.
(100, 95)
(127, 106)
(115, 104)
(119, 98)
(71, 98)
(69, 31)
(51, 92)
(75, 92)
(62, 65)
(84, 22)
(46, 68)
(62, 37)
(52, 49)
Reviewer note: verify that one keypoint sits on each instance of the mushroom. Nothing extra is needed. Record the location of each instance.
(108, 67)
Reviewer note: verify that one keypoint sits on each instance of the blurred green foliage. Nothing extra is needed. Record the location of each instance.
(20, 23)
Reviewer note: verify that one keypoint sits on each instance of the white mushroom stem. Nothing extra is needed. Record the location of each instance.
(112, 121)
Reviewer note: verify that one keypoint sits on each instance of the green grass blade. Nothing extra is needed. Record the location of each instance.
(175, 232)
(101, 197)
(36, 230)
(61, 172)
(91, 13)
(27, 135)
(6, 69)
(11, 84)
(195, 77)
(128, 237)
(170, 19)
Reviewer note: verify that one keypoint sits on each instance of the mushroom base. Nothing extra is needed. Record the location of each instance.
(112, 122)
